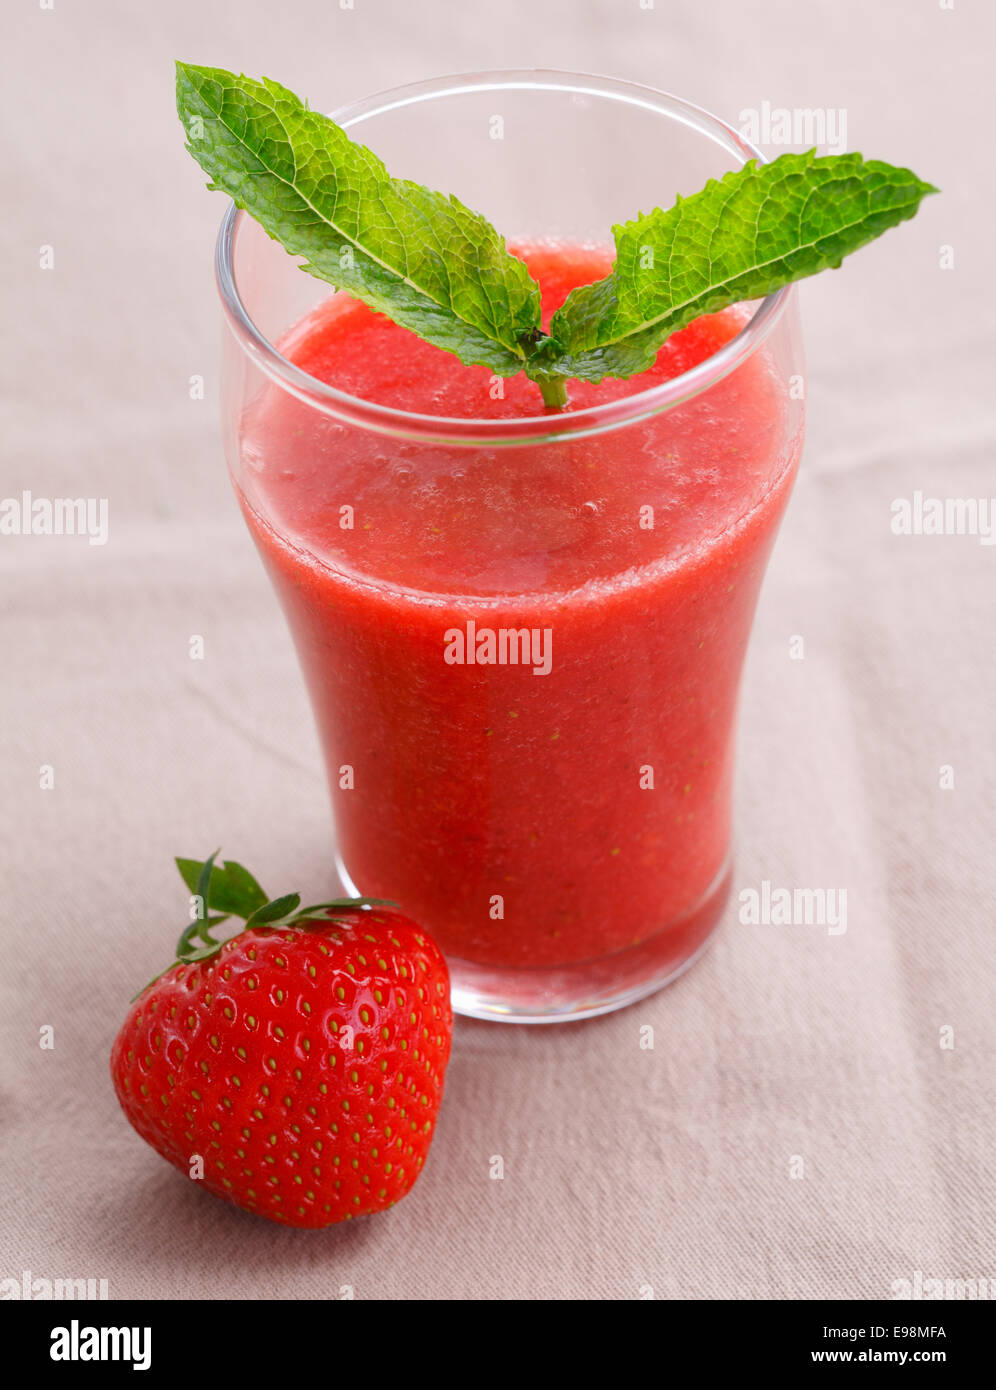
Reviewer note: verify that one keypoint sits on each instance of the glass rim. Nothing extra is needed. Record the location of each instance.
(530, 429)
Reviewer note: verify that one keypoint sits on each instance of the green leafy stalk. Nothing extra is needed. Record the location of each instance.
(441, 270)
(554, 390)
(230, 888)
(231, 891)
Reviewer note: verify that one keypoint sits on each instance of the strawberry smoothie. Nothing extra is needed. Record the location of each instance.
(528, 817)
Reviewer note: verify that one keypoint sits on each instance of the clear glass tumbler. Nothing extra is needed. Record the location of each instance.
(523, 636)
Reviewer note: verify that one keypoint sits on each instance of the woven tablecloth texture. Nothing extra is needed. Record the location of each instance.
(627, 1169)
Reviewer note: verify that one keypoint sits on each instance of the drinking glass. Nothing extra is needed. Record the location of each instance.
(560, 820)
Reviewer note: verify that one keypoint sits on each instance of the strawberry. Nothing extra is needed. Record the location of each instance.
(297, 1068)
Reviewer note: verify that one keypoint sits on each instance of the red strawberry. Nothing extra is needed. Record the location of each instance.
(302, 1060)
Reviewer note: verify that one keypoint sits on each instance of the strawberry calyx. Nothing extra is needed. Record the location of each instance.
(231, 891)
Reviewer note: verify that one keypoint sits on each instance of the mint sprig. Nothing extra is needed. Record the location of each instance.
(441, 270)
(743, 237)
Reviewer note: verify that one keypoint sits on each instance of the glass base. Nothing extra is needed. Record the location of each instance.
(567, 993)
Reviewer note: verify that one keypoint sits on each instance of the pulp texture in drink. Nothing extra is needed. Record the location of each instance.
(527, 818)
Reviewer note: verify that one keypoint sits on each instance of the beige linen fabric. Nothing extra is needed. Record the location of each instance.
(625, 1168)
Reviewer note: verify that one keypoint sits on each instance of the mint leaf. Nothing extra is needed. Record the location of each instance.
(742, 237)
(420, 257)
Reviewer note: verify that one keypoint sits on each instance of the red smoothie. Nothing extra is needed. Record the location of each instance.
(527, 819)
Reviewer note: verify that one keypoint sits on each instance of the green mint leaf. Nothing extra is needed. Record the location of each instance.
(742, 237)
(231, 889)
(420, 257)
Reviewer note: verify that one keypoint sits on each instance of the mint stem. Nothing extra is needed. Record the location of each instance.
(554, 390)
